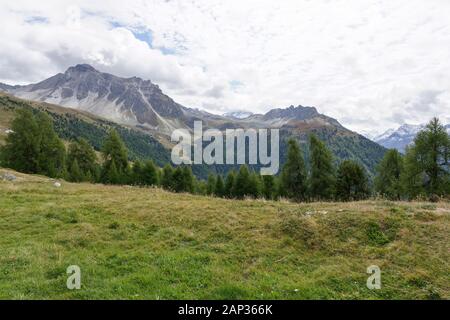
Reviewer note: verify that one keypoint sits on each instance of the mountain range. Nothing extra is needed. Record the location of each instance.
(141, 104)
(402, 137)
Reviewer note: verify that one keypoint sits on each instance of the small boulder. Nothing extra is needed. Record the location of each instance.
(9, 177)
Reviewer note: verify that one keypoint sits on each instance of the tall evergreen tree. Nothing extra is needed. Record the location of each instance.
(188, 180)
(254, 185)
(84, 154)
(432, 157)
(322, 179)
(33, 146)
(22, 148)
(269, 187)
(149, 176)
(413, 177)
(112, 176)
(241, 187)
(137, 170)
(219, 189)
(166, 177)
(52, 153)
(114, 151)
(210, 184)
(177, 180)
(352, 181)
(229, 183)
(75, 174)
(387, 181)
(293, 174)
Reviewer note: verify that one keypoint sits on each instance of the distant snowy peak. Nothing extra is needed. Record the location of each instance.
(238, 114)
(402, 137)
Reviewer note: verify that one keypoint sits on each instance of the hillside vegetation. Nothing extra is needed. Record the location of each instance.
(145, 243)
(72, 124)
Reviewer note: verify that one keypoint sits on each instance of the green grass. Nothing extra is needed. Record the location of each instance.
(138, 243)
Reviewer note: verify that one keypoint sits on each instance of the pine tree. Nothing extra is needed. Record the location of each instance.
(177, 180)
(112, 175)
(210, 185)
(149, 176)
(137, 173)
(254, 186)
(219, 189)
(229, 183)
(84, 154)
(241, 187)
(431, 150)
(114, 151)
(322, 179)
(352, 182)
(389, 171)
(268, 187)
(188, 180)
(166, 177)
(75, 173)
(293, 174)
(52, 153)
(22, 148)
(413, 178)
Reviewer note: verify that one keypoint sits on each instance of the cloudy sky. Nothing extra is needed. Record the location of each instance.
(372, 64)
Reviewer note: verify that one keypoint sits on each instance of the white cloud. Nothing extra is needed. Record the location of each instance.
(371, 64)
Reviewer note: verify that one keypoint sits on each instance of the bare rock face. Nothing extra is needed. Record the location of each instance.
(125, 100)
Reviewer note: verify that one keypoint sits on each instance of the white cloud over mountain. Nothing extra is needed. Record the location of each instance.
(371, 64)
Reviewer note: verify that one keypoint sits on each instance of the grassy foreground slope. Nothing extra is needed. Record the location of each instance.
(142, 243)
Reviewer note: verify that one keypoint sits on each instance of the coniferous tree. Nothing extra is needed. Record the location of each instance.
(210, 184)
(114, 152)
(22, 148)
(293, 174)
(112, 175)
(149, 176)
(177, 180)
(188, 180)
(429, 159)
(322, 179)
(166, 177)
(387, 181)
(33, 146)
(137, 170)
(219, 189)
(241, 187)
(52, 152)
(75, 174)
(229, 183)
(352, 181)
(413, 177)
(254, 186)
(84, 154)
(268, 187)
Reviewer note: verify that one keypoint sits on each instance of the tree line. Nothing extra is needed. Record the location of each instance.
(424, 170)
(34, 147)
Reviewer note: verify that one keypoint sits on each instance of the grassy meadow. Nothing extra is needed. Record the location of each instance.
(146, 243)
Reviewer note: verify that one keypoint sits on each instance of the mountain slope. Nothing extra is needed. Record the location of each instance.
(71, 124)
(141, 104)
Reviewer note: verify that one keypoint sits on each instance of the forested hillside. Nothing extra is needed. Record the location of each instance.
(71, 124)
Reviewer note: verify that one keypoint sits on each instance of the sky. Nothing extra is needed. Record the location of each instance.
(372, 64)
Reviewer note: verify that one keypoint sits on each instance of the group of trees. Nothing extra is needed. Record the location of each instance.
(424, 171)
(34, 147)
(322, 181)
